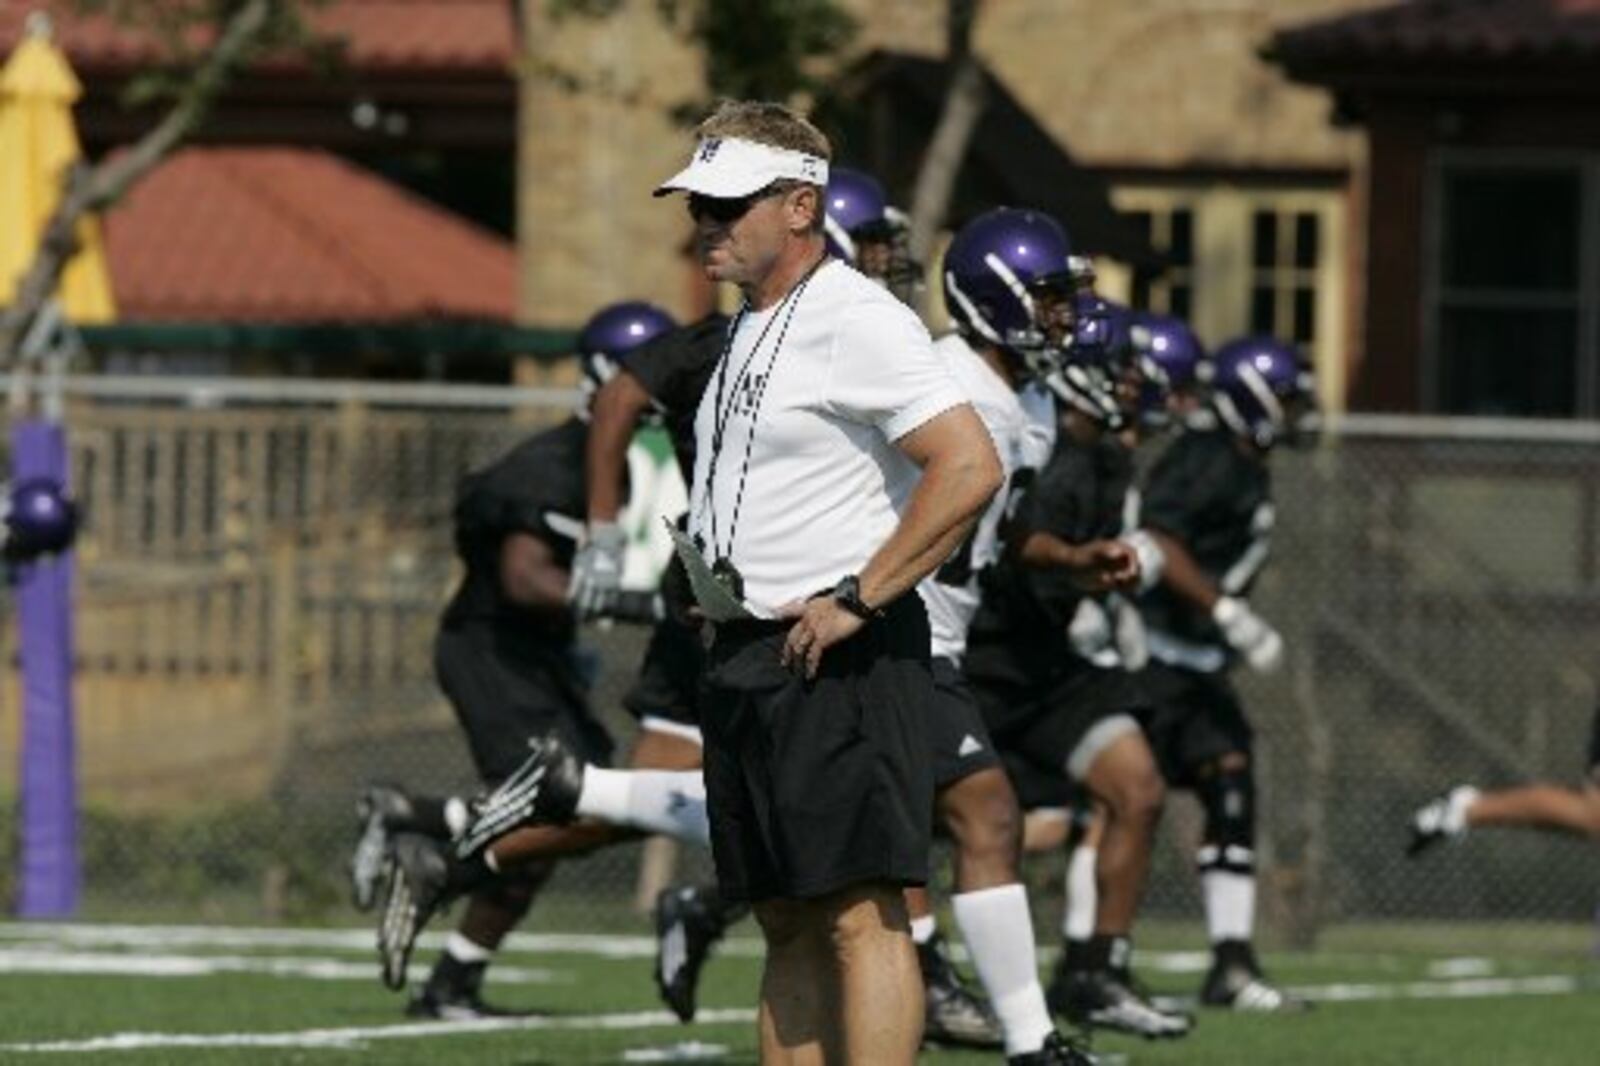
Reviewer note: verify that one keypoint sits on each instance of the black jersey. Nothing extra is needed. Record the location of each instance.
(675, 369)
(1215, 499)
(1019, 635)
(536, 488)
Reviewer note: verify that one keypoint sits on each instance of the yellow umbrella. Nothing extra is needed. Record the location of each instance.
(37, 143)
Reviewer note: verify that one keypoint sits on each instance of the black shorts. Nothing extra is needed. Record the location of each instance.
(814, 786)
(668, 685)
(1045, 731)
(1192, 719)
(961, 744)
(1594, 749)
(503, 694)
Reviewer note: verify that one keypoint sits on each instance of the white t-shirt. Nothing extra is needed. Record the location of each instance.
(1023, 443)
(810, 396)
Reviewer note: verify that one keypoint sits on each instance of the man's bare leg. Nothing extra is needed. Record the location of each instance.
(1564, 810)
(1124, 777)
(879, 984)
(799, 986)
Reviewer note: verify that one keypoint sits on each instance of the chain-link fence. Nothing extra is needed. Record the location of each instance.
(264, 563)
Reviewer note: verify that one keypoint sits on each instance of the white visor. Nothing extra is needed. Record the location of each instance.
(729, 168)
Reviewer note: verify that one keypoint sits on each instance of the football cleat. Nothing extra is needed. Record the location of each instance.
(542, 791)
(1442, 818)
(1105, 999)
(1242, 989)
(456, 1001)
(380, 810)
(416, 880)
(956, 1016)
(1058, 1050)
(689, 922)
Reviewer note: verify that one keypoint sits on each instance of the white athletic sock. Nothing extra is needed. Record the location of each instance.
(659, 801)
(456, 815)
(1083, 899)
(999, 933)
(461, 949)
(1230, 904)
(922, 929)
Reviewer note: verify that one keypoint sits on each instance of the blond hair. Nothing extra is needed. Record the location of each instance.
(772, 124)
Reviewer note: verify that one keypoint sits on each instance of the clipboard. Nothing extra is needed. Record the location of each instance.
(716, 602)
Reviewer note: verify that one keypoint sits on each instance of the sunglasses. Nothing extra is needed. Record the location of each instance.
(726, 211)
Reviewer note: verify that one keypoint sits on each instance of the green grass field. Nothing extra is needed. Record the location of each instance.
(143, 995)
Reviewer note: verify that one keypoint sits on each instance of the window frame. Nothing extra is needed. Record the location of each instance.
(1585, 301)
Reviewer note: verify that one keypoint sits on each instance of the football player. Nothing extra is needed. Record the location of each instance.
(1206, 519)
(506, 657)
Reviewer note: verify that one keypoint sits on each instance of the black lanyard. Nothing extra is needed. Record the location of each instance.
(722, 413)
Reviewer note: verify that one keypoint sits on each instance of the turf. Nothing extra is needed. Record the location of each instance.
(573, 988)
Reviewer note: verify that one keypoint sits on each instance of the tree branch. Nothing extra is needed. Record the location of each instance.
(964, 104)
(90, 189)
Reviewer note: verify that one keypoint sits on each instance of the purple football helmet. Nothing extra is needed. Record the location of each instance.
(1261, 390)
(39, 518)
(854, 206)
(996, 266)
(611, 334)
(1169, 357)
(1096, 365)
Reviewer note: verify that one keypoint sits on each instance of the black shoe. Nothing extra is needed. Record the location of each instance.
(416, 885)
(456, 1005)
(956, 1016)
(1440, 819)
(1105, 999)
(380, 810)
(1058, 1050)
(689, 922)
(542, 791)
(1243, 988)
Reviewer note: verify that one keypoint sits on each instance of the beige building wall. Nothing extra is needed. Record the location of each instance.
(1169, 98)
(595, 139)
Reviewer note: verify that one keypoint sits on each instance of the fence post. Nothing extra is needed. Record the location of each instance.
(284, 646)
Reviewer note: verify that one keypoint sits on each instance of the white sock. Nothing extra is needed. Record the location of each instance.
(922, 929)
(461, 949)
(999, 933)
(1230, 904)
(456, 815)
(659, 801)
(1455, 813)
(1077, 922)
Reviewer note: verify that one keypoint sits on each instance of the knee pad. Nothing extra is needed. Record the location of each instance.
(1229, 798)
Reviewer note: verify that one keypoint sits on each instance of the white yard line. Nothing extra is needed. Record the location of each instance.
(356, 1037)
(1469, 988)
(124, 964)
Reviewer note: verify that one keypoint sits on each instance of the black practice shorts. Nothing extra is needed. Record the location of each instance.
(1192, 719)
(815, 786)
(1594, 749)
(1044, 732)
(668, 685)
(502, 695)
(961, 744)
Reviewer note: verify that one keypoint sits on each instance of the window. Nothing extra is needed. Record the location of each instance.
(1285, 255)
(1507, 306)
(1168, 289)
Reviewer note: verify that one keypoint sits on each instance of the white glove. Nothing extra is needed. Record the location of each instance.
(1132, 644)
(1247, 634)
(597, 570)
(1089, 633)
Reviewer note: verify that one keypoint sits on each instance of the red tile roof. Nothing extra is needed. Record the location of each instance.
(1477, 30)
(291, 235)
(435, 36)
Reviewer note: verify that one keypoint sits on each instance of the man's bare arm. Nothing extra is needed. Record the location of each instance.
(1094, 566)
(1183, 575)
(960, 473)
(617, 408)
(530, 576)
